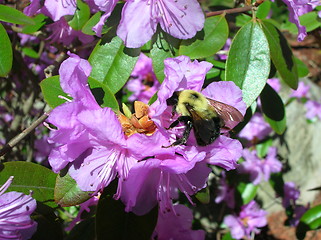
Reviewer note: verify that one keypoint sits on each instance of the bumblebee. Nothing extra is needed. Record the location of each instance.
(205, 116)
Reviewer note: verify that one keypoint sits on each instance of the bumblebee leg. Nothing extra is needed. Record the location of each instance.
(183, 119)
(187, 131)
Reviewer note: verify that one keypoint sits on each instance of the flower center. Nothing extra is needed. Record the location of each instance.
(138, 122)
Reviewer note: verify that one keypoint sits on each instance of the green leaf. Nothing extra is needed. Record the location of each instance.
(208, 41)
(273, 109)
(30, 52)
(310, 220)
(112, 222)
(203, 196)
(102, 94)
(67, 192)
(161, 50)
(51, 91)
(81, 16)
(310, 20)
(40, 20)
(84, 230)
(247, 190)
(263, 10)
(277, 183)
(303, 70)
(12, 15)
(49, 227)
(281, 55)
(5, 52)
(87, 28)
(112, 63)
(262, 148)
(248, 62)
(30, 177)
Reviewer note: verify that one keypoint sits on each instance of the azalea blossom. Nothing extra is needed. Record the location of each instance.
(298, 8)
(274, 83)
(140, 18)
(313, 109)
(249, 219)
(159, 178)
(225, 192)
(301, 92)
(92, 142)
(176, 224)
(257, 129)
(143, 83)
(15, 210)
(260, 169)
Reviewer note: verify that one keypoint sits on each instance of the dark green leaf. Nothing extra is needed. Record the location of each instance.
(262, 148)
(112, 222)
(30, 52)
(12, 15)
(112, 63)
(30, 176)
(5, 52)
(310, 20)
(248, 62)
(51, 91)
(303, 70)
(85, 230)
(87, 28)
(208, 41)
(263, 10)
(102, 94)
(40, 20)
(227, 236)
(160, 51)
(203, 196)
(277, 182)
(310, 220)
(67, 192)
(281, 55)
(247, 191)
(273, 109)
(49, 227)
(81, 16)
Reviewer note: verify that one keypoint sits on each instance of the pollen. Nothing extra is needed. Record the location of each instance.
(139, 122)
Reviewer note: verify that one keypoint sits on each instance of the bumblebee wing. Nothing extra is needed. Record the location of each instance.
(226, 112)
(205, 130)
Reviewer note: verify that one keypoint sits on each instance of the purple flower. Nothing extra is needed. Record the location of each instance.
(313, 110)
(225, 48)
(291, 194)
(15, 210)
(225, 192)
(176, 224)
(250, 218)
(63, 33)
(260, 169)
(85, 206)
(53, 9)
(181, 19)
(257, 129)
(92, 142)
(298, 8)
(158, 178)
(275, 84)
(143, 82)
(301, 92)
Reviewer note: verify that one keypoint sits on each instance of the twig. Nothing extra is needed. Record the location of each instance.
(236, 10)
(13, 142)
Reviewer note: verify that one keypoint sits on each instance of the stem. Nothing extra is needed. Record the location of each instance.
(13, 142)
(235, 10)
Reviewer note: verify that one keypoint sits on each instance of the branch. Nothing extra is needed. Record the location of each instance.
(236, 10)
(13, 142)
